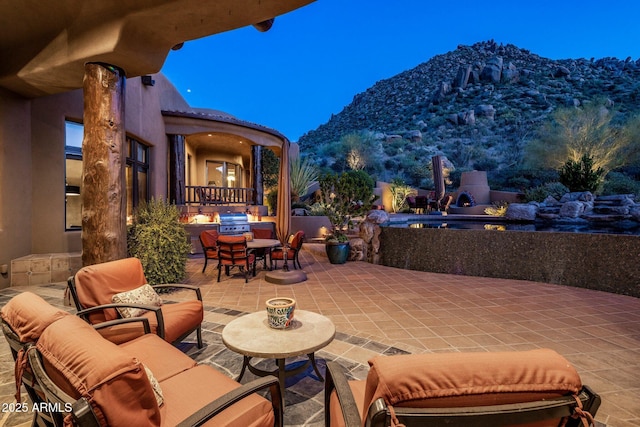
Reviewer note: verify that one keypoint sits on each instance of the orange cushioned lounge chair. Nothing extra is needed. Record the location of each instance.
(143, 382)
(24, 318)
(93, 288)
(534, 388)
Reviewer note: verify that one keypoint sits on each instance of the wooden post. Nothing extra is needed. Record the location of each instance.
(258, 192)
(176, 169)
(104, 198)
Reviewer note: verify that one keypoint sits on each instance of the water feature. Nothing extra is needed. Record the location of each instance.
(496, 224)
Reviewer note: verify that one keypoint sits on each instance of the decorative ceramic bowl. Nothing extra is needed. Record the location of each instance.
(280, 312)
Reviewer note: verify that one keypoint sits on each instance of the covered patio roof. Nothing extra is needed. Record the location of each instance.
(224, 126)
(44, 48)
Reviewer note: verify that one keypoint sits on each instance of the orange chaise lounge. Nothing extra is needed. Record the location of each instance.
(517, 388)
(143, 382)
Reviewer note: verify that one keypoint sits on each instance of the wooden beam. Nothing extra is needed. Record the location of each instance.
(104, 227)
(177, 169)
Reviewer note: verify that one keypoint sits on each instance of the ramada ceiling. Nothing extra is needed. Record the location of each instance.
(44, 45)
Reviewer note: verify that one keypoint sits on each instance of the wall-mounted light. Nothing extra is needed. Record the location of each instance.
(147, 81)
(264, 25)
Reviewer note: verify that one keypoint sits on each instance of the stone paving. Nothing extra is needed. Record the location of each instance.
(383, 310)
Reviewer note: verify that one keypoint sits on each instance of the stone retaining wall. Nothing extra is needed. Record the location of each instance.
(605, 262)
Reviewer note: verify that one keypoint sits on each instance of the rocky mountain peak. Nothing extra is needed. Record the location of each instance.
(478, 105)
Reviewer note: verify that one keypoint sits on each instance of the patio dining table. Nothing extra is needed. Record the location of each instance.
(262, 249)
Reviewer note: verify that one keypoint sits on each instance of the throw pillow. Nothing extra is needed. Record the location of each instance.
(144, 295)
(155, 385)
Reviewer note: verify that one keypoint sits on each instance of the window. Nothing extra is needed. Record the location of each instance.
(73, 175)
(137, 175)
(223, 174)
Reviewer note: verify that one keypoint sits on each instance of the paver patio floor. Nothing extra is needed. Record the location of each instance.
(376, 308)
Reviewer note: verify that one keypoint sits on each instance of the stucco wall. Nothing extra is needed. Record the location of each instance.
(596, 261)
(48, 115)
(32, 166)
(15, 179)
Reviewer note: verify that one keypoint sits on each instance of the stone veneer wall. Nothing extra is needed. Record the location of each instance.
(604, 262)
(42, 269)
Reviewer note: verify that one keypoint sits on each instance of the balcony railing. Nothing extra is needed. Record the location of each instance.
(209, 195)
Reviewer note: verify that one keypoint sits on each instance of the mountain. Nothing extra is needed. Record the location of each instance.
(478, 105)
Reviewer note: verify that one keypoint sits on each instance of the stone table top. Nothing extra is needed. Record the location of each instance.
(252, 336)
(262, 243)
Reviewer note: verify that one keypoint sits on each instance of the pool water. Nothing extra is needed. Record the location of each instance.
(621, 227)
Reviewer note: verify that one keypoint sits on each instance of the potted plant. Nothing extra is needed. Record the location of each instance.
(343, 197)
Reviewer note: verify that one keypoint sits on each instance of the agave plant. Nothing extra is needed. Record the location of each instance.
(301, 175)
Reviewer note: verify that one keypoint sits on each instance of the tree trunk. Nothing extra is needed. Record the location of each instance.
(104, 227)
(258, 192)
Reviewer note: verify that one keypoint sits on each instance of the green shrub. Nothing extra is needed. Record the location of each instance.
(345, 196)
(399, 193)
(272, 201)
(497, 208)
(160, 241)
(541, 192)
(620, 183)
(581, 175)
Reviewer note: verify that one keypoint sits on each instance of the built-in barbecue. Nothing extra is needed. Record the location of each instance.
(233, 223)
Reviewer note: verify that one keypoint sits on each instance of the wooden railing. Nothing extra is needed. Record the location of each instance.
(209, 195)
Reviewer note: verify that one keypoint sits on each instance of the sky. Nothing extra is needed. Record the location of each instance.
(314, 60)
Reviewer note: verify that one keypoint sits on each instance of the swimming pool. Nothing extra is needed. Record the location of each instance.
(602, 260)
(619, 227)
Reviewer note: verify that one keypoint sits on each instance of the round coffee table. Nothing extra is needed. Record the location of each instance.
(251, 336)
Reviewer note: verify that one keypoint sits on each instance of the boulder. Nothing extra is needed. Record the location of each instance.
(377, 217)
(441, 92)
(521, 212)
(551, 201)
(413, 136)
(467, 118)
(462, 78)
(492, 72)
(510, 73)
(357, 249)
(582, 196)
(572, 209)
(561, 72)
(452, 118)
(485, 110)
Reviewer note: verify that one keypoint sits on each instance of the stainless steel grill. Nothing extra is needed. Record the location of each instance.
(233, 223)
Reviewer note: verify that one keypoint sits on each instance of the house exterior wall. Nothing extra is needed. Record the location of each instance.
(32, 163)
(15, 179)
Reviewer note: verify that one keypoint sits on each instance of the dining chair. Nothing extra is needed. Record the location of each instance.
(232, 252)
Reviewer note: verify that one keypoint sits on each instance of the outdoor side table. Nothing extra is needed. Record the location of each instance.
(251, 336)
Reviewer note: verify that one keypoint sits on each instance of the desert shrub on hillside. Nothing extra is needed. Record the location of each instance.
(572, 133)
(541, 192)
(620, 183)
